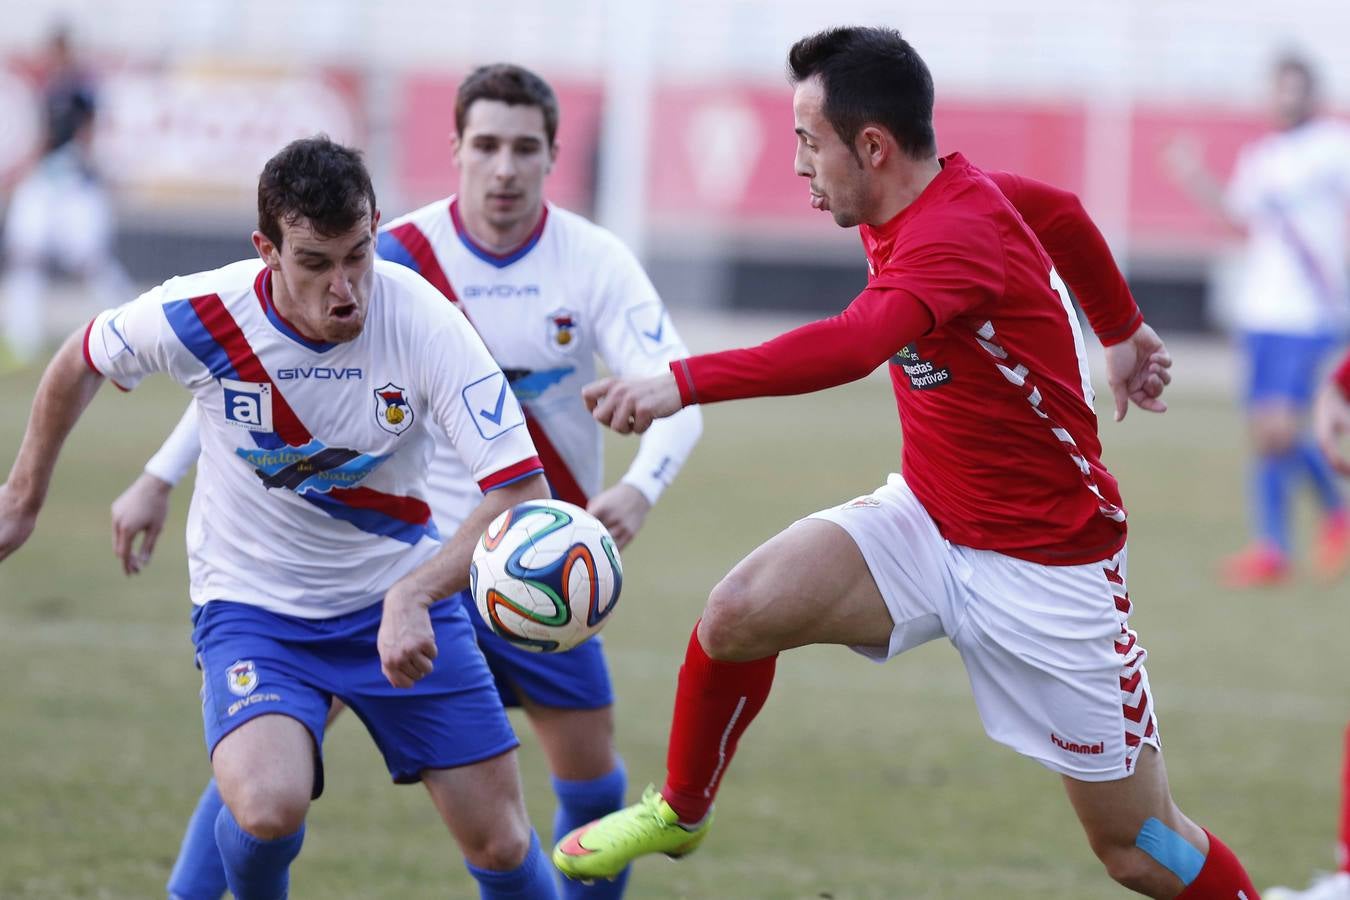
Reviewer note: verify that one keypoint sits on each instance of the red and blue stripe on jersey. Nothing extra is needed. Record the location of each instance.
(209, 331)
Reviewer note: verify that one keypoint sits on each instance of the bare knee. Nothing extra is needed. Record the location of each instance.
(266, 812)
(1274, 432)
(499, 848)
(728, 630)
(1130, 867)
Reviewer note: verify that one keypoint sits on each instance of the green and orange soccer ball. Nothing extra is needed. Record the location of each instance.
(545, 575)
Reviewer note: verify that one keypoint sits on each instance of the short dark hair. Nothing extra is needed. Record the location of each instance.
(510, 84)
(870, 76)
(1292, 62)
(317, 179)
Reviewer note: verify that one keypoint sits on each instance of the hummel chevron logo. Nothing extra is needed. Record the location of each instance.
(495, 417)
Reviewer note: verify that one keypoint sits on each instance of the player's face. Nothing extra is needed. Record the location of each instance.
(838, 180)
(503, 156)
(1292, 98)
(322, 284)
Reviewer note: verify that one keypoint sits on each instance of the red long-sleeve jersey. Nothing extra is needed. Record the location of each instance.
(986, 361)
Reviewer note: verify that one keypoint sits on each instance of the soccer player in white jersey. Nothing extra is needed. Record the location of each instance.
(321, 376)
(549, 292)
(1290, 194)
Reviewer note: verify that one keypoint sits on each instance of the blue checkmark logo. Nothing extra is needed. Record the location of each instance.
(648, 326)
(492, 406)
(495, 417)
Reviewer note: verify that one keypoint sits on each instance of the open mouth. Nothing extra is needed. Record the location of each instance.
(343, 313)
(819, 201)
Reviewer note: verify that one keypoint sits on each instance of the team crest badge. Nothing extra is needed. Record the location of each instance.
(242, 678)
(562, 328)
(393, 412)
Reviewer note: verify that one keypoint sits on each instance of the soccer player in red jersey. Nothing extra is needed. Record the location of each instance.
(1005, 533)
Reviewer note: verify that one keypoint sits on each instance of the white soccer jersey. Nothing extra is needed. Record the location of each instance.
(570, 293)
(311, 495)
(1292, 189)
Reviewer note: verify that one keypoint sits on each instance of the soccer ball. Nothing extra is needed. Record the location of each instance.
(545, 575)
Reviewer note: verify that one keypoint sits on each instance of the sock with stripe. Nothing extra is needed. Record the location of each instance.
(198, 873)
(1221, 878)
(531, 880)
(256, 869)
(580, 802)
(1323, 476)
(715, 702)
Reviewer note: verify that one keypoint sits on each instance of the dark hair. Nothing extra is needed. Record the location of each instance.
(1291, 62)
(316, 179)
(510, 84)
(870, 76)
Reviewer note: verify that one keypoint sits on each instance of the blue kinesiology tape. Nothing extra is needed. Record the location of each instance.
(1171, 850)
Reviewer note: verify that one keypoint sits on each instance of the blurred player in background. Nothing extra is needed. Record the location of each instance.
(1290, 194)
(60, 214)
(1005, 533)
(548, 292)
(1331, 425)
(316, 569)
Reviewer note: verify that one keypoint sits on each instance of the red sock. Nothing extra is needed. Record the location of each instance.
(1222, 877)
(1343, 846)
(714, 703)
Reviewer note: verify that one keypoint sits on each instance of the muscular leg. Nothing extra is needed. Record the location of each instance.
(265, 772)
(1172, 857)
(484, 809)
(807, 585)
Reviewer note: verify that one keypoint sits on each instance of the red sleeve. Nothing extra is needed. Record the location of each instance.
(819, 355)
(1342, 376)
(1079, 252)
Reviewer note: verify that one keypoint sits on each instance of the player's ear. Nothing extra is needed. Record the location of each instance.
(456, 144)
(552, 157)
(875, 145)
(375, 221)
(268, 252)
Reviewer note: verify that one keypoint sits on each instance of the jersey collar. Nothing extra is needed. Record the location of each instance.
(262, 286)
(500, 260)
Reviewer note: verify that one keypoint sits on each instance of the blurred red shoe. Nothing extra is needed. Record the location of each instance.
(1333, 545)
(1260, 565)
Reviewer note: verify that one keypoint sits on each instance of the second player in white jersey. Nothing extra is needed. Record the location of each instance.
(571, 293)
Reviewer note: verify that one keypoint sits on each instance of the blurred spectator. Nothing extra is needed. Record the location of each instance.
(1290, 195)
(59, 216)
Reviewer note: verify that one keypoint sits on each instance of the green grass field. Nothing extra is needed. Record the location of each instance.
(857, 781)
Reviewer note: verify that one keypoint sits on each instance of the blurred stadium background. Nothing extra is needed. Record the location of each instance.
(676, 133)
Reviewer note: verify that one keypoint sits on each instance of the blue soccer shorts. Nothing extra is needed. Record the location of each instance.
(1284, 368)
(256, 663)
(574, 679)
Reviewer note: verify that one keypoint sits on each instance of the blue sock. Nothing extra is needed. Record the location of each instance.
(578, 803)
(198, 873)
(256, 869)
(1323, 476)
(531, 880)
(1271, 494)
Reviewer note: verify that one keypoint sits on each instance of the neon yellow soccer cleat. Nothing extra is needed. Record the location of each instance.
(603, 848)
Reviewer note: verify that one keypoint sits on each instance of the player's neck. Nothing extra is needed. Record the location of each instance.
(495, 239)
(910, 179)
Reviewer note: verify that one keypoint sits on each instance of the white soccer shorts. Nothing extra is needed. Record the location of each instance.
(1056, 672)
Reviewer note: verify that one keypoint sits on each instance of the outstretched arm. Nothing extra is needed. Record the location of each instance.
(144, 506)
(814, 357)
(65, 390)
